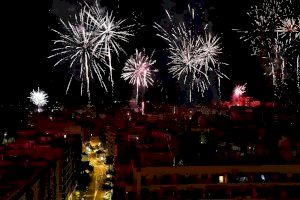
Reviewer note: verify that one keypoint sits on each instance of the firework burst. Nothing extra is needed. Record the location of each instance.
(88, 44)
(193, 54)
(209, 50)
(274, 37)
(79, 45)
(38, 97)
(289, 28)
(239, 90)
(137, 70)
(110, 33)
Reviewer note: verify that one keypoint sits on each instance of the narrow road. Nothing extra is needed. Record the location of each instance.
(95, 191)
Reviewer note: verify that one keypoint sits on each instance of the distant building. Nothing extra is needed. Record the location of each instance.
(40, 166)
(207, 152)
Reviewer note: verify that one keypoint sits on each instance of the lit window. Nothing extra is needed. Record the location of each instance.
(221, 179)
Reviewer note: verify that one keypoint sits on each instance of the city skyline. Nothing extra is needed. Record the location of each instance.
(161, 99)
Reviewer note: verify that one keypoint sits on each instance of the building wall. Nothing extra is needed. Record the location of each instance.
(150, 178)
(36, 190)
(219, 169)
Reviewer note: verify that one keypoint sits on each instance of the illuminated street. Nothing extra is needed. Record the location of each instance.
(95, 191)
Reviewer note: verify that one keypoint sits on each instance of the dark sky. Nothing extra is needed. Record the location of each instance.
(27, 45)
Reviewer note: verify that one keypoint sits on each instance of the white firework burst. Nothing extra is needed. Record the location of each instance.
(274, 36)
(239, 90)
(79, 45)
(289, 27)
(184, 58)
(210, 50)
(110, 32)
(138, 70)
(266, 20)
(192, 55)
(38, 97)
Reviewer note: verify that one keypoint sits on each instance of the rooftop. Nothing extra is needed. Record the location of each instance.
(193, 137)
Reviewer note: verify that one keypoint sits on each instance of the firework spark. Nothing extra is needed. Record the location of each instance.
(192, 55)
(137, 70)
(79, 45)
(210, 50)
(110, 33)
(239, 90)
(38, 97)
(289, 28)
(88, 44)
(274, 36)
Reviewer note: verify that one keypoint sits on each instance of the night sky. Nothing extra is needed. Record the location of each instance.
(27, 44)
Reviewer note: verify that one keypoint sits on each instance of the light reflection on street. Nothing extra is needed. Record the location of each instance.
(95, 191)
